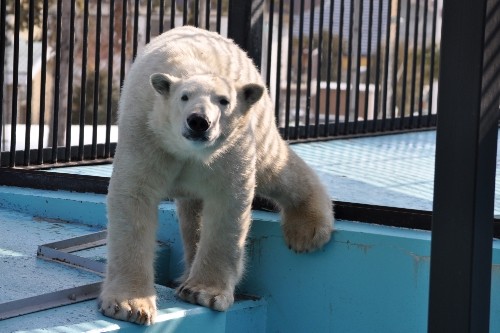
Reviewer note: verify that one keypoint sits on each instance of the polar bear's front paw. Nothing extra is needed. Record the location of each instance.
(140, 310)
(306, 238)
(306, 231)
(211, 297)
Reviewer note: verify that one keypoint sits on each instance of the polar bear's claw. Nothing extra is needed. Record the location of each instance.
(138, 310)
(210, 297)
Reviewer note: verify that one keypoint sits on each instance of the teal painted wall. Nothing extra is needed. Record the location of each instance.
(367, 279)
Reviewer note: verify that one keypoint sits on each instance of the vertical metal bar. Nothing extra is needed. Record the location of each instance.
(395, 67)
(349, 67)
(83, 94)
(196, 13)
(277, 104)
(109, 98)
(309, 70)
(57, 86)
(422, 64)
(97, 69)
(378, 70)
(148, 21)
(123, 45)
(162, 17)
(43, 81)
(136, 28)
(414, 63)
(368, 65)
(29, 83)
(219, 16)
(358, 68)
(207, 14)
(329, 72)
(245, 21)
(173, 3)
(185, 13)
(318, 68)
(69, 107)
(433, 56)
(405, 64)
(298, 92)
(466, 143)
(339, 70)
(289, 72)
(270, 43)
(385, 92)
(3, 22)
(15, 81)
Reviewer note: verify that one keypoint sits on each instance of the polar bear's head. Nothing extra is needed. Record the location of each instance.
(200, 111)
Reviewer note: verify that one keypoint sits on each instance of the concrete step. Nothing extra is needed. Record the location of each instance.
(24, 275)
(174, 315)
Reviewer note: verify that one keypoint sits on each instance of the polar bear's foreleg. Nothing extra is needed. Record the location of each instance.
(306, 208)
(218, 264)
(128, 291)
(189, 213)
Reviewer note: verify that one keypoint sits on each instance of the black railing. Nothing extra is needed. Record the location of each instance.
(348, 67)
(334, 68)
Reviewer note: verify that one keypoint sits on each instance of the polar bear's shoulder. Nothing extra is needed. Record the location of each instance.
(187, 51)
(187, 35)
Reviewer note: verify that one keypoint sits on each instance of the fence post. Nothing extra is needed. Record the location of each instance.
(245, 20)
(462, 225)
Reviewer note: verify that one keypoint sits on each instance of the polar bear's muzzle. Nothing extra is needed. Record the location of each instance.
(197, 127)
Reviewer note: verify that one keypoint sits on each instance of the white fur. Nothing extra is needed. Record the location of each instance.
(213, 177)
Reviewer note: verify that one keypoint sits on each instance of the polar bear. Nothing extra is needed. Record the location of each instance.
(197, 124)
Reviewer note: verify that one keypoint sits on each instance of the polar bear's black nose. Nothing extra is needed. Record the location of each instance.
(198, 122)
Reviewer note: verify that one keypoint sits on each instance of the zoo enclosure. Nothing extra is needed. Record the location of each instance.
(464, 191)
(334, 68)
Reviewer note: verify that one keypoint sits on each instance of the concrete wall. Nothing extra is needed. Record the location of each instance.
(368, 279)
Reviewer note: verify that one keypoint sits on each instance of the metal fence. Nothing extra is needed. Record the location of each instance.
(334, 68)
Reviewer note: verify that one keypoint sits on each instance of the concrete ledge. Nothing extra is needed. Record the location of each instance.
(173, 316)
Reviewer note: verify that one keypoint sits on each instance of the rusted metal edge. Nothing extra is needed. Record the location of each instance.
(49, 300)
(60, 252)
(50, 254)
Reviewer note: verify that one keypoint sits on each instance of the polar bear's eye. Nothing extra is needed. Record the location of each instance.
(223, 101)
(184, 97)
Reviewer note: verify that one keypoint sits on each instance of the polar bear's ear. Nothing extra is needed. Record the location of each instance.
(251, 93)
(162, 82)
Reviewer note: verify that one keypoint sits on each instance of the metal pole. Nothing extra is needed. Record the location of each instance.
(245, 20)
(468, 104)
